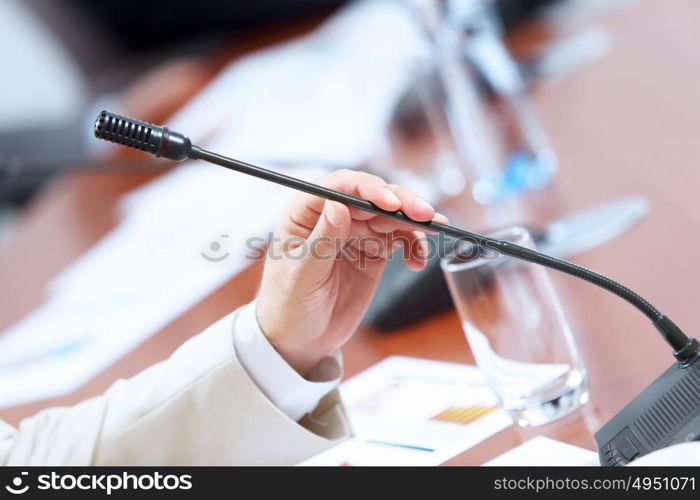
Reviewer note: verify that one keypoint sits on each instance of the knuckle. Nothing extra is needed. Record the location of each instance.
(401, 191)
(376, 178)
(343, 172)
(332, 177)
(367, 178)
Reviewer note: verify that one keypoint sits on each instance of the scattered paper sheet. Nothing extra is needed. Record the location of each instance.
(183, 243)
(409, 411)
(323, 99)
(545, 452)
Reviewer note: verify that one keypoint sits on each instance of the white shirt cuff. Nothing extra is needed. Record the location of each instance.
(291, 393)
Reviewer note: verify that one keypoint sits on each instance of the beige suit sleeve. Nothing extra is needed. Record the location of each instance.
(199, 407)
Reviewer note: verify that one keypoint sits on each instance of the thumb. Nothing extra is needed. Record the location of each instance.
(327, 239)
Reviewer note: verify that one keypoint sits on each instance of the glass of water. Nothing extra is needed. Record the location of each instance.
(517, 330)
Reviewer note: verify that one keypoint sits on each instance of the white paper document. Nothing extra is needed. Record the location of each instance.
(178, 245)
(409, 411)
(325, 98)
(545, 452)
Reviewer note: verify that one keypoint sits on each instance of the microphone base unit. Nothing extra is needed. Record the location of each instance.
(665, 413)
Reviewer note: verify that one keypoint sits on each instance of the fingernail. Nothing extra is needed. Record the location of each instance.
(372, 248)
(331, 214)
(422, 250)
(389, 196)
(424, 204)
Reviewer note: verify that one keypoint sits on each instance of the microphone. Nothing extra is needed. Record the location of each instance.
(144, 136)
(162, 142)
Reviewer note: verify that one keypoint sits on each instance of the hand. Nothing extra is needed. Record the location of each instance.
(324, 263)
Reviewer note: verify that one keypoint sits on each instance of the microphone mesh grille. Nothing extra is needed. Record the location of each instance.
(128, 132)
(662, 419)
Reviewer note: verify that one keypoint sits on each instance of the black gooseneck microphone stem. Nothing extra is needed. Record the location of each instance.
(173, 145)
(672, 334)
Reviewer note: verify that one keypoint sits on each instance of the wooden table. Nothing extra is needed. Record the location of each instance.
(625, 125)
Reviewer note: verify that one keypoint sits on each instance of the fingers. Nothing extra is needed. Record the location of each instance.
(376, 190)
(336, 233)
(413, 247)
(387, 225)
(305, 208)
(364, 244)
(370, 235)
(328, 237)
(441, 218)
(416, 208)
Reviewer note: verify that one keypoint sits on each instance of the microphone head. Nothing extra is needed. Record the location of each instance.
(128, 132)
(144, 136)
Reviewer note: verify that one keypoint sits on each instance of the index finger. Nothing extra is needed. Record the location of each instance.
(305, 208)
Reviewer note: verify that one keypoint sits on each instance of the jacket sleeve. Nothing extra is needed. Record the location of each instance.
(198, 407)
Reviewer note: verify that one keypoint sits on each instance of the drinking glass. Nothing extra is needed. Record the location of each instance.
(517, 330)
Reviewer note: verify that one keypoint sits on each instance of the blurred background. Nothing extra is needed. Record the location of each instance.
(70, 58)
(574, 118)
